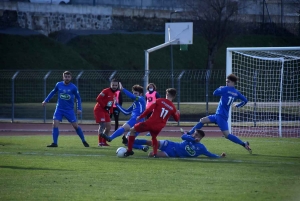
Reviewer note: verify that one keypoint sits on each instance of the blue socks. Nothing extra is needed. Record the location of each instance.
(135, 146)
(140, 141)
(80, 134)
(117, 133)
(55, 134)
(235, 139)
(197, 126)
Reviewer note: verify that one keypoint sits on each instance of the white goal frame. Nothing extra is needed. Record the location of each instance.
(280, 58)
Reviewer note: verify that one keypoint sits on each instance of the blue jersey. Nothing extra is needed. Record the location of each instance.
(66, 96)
(138, 106)
(187, 148)
(228, 96)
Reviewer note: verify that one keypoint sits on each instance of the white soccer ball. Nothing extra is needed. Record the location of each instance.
(121, 151)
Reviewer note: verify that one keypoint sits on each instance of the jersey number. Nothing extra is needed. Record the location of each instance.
(230, 101)
(163, 113)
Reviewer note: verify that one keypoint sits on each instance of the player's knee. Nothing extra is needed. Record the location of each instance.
(225, 135)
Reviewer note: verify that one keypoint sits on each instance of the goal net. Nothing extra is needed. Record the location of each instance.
(270, 79)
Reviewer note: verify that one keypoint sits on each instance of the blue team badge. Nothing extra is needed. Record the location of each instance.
(190, 150)
(65, 96)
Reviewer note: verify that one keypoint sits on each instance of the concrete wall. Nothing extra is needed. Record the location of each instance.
(48, 18)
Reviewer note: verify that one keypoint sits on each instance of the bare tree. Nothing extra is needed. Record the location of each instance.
(217, 19)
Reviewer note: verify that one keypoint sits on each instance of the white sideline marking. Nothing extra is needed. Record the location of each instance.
(189, 159)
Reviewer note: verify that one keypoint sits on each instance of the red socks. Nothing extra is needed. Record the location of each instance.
(130, 142)
(154, 145)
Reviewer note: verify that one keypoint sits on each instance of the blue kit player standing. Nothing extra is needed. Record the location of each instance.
(136, 109)
(228, 95)
(189, 147)
(67, 92)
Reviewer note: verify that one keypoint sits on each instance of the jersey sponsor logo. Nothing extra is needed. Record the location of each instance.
(109, 103)
(65, 96)
(190, 150)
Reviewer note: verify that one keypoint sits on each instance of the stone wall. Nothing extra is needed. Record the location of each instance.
(47, 18)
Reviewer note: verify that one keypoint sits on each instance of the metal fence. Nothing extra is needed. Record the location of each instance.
(21, 92)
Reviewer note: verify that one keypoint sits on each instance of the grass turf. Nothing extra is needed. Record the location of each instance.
(31, 171)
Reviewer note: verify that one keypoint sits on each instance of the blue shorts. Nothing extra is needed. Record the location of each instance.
(68, 114)
(221, 121)
(168, 148)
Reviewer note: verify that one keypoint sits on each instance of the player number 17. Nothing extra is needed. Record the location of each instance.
(230, 101)
(163, 113)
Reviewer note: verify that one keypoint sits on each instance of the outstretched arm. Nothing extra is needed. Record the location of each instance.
(244, 101)
(147, 111)
(188, 138)
(129, 94)
(176, 115)
(50, 95)
(123, 110)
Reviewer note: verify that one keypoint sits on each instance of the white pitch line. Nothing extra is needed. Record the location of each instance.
(188, 159)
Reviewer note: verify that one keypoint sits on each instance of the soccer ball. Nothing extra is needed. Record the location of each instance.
(120, 152)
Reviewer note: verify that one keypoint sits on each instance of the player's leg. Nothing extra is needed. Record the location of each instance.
(57, 117)
(80, 133)
(55, 133)
(200, 124)
(131, 139)
(107, 128)
(126, 127)
(100, 119)
(70, 116)
(139, 127)
(116, 114)
(154, 143)
(148, 134)
(143, 142)
(140, 146)
(222, 123)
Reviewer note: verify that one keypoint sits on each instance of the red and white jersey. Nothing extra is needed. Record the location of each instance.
(162, 110)
(105, 98)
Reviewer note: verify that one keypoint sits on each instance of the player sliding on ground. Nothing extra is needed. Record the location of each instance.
(228, 95)
(162, 109)
(189, 147)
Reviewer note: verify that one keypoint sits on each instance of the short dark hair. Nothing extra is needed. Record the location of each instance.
(67, 73)
(233, 78)
(171, 91)
(114, 80)
(154, 86)
(200, 132)
(138, 88)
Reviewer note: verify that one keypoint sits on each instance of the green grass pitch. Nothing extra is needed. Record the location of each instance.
(31, 171)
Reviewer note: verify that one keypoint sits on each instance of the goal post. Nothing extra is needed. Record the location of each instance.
(269, 77)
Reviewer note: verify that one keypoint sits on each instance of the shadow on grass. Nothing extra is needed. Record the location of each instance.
(29, 168)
